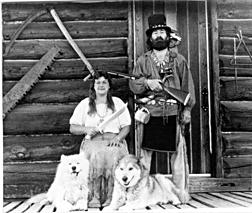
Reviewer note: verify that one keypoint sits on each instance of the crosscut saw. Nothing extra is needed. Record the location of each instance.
(20, 89)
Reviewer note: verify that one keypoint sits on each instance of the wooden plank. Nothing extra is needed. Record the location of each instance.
(236, 89)
(212, 202)
(242, 194)
(36, 207)
(239, 197)
(237, 143)
(185, 206)
(231, 199)
(250, 193)
(202, 201)
(39, 119)
(229, 27)
(219, 184)
(11, 206)
(5, 203)
(195, 62)
(203, 53)
(21, 208)
(227, 46)
(221, 203)
(67, 11)
(48, 209)
(237, 167)
(217, 146)
(197, 204)
(64, 68)
(168, 206)
(77, 30)
(23, 180)
(228, 70)
(233, 9)
(236, 115)
(34, 49)
(225, 64)
(63, 91)
(39, 147)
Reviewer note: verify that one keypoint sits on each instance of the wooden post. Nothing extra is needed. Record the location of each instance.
(218, 164)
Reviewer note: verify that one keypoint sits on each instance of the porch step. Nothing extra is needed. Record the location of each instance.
(212, 201)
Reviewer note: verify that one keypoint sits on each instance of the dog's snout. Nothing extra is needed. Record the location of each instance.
(73, 168)
(124, 178)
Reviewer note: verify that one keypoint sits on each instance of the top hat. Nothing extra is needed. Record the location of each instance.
(157, 21)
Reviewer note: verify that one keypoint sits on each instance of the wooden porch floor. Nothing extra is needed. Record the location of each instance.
(199, 201)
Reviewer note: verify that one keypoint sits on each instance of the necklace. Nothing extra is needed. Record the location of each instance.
(102, 115)
(163, 65)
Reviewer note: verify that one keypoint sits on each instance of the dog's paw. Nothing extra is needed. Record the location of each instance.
(126, 208)
(81, 205)
(64, 207)
(108, 208)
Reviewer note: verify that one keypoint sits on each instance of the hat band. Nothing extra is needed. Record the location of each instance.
(157, 26)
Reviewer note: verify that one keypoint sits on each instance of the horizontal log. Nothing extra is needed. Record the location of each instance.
(237, 143)
(28, 184)
(67, 11)
(64, 68)
(226, 69)
(35, 49)
(236, 115)
(234, 9)
(39, 147)
(227, 46)
(229, 28)
(63, 91)
(239, 167)
(77, 30)
(38, 119)
(235, 89)
(206, 184)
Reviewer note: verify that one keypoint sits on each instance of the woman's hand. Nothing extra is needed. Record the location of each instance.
(114, 142)
(91, 131)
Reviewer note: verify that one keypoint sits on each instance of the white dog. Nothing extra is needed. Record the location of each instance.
(134, 188)
(69, 190)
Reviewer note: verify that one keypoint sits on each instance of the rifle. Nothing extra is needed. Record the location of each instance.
(181, 96)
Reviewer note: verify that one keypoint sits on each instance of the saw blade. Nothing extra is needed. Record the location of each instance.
(20, 89)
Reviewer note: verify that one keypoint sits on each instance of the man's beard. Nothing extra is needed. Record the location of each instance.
(160, 43)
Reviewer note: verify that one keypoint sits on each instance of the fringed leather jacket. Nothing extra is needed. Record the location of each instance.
(173, 72)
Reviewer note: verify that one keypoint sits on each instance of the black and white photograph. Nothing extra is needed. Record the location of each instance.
(126, 106)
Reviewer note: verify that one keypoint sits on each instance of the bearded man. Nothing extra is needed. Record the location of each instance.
(154, 69)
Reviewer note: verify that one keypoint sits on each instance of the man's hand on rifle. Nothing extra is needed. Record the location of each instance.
(185, 116)
(154, 84)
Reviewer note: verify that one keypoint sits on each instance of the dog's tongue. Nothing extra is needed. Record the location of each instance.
(75, 173)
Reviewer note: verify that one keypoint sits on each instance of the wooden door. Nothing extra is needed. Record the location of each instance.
(190, 20)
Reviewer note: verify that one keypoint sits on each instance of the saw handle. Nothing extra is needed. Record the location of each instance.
(72, 43)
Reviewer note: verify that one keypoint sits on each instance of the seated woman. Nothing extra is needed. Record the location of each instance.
(103, 150)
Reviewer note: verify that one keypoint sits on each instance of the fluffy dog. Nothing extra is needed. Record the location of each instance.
(69, 190)
(134, 188)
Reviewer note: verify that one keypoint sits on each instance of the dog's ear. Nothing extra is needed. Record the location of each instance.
(141, 162)
(118, 160)
(62, 158)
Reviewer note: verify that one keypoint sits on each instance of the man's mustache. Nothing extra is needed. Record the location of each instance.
(159, 39)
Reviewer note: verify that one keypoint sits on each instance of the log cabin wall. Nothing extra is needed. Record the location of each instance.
(234, 122)
(36, 131)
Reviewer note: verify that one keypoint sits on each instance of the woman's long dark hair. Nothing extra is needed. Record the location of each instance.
(92, 93)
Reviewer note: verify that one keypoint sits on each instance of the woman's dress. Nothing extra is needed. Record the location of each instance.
(102, 158)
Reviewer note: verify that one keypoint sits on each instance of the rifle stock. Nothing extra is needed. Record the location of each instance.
(181, 96)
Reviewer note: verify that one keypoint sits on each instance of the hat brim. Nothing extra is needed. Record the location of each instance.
(149, 31)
